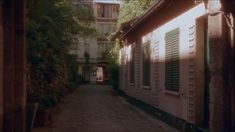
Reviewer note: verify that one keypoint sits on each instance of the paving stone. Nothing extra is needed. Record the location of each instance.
(94, 108)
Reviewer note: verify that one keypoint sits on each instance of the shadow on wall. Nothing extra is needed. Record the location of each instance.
(160, 94)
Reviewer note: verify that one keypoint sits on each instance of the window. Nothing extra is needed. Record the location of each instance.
(146, 63)
(115, 11)
(104, 48)
(172, 60)
(103, 10)
(87, 47)
(132, 65)
(107, 10)
(100, 49)
(104, 29)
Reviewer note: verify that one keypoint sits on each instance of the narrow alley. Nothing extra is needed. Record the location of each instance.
(170, 64)
(96, 108)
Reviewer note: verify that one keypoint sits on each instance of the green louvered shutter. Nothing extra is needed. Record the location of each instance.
(132, 65)
(172, 60)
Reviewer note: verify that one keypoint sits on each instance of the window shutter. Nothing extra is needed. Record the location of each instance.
(132, 65)
(146, 64)
(172, 60)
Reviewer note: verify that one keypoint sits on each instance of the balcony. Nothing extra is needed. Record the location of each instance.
(104, 29)
(113, 18)
(83, 60)
(102, 60)
(82, 2)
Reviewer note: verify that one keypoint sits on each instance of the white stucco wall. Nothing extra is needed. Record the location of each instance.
(180, 104)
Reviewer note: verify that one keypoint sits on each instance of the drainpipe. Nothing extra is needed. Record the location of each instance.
(219, 89)
(233, 74)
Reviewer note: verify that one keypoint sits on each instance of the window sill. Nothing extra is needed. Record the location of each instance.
(172, 93)
(146, 87)
(132, 84)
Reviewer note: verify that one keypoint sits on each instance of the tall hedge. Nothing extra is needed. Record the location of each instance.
(52, 26)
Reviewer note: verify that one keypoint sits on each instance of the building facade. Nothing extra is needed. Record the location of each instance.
(175, 61)
(92, 51)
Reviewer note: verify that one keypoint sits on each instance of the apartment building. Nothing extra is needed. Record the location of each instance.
(92, 51)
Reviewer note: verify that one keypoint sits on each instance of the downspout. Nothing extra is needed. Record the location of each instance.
(232, 77)
(226, 71)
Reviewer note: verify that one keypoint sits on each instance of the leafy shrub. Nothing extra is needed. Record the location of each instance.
(48, 101)
(113, 65)
(52, 26)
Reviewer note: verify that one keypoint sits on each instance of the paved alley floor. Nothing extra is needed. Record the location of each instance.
(94, 108)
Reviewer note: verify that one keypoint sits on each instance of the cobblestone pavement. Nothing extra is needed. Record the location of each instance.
(95, 108)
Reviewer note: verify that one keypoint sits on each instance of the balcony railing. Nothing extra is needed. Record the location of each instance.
(102, 60)
(83, 60)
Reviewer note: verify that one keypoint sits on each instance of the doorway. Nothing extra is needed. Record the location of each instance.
(100, 74)
(86, 74)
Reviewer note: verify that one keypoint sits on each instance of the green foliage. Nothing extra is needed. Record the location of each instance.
(51, 27)
(73, 77)
(113, 65)
(131, 9)
(48, 101)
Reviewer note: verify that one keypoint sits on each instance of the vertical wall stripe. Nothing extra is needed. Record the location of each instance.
(156, 73)
(191, 89)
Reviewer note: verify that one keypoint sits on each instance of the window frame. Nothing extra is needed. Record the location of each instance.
(132, 65)
(107, 11)
(87, 47)
(146, 66)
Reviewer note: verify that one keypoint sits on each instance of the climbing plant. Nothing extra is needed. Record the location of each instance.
(131, 9)
(113, 65)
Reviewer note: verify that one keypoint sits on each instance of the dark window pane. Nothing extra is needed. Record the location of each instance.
(132, 65)
(146, 64)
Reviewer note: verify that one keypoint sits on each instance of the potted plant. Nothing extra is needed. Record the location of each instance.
(46, 105)
(31, 114)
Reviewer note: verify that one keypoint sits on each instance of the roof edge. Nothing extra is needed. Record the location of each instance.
(156, 6)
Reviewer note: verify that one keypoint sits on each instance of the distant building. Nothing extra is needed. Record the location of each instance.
(97, 46)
